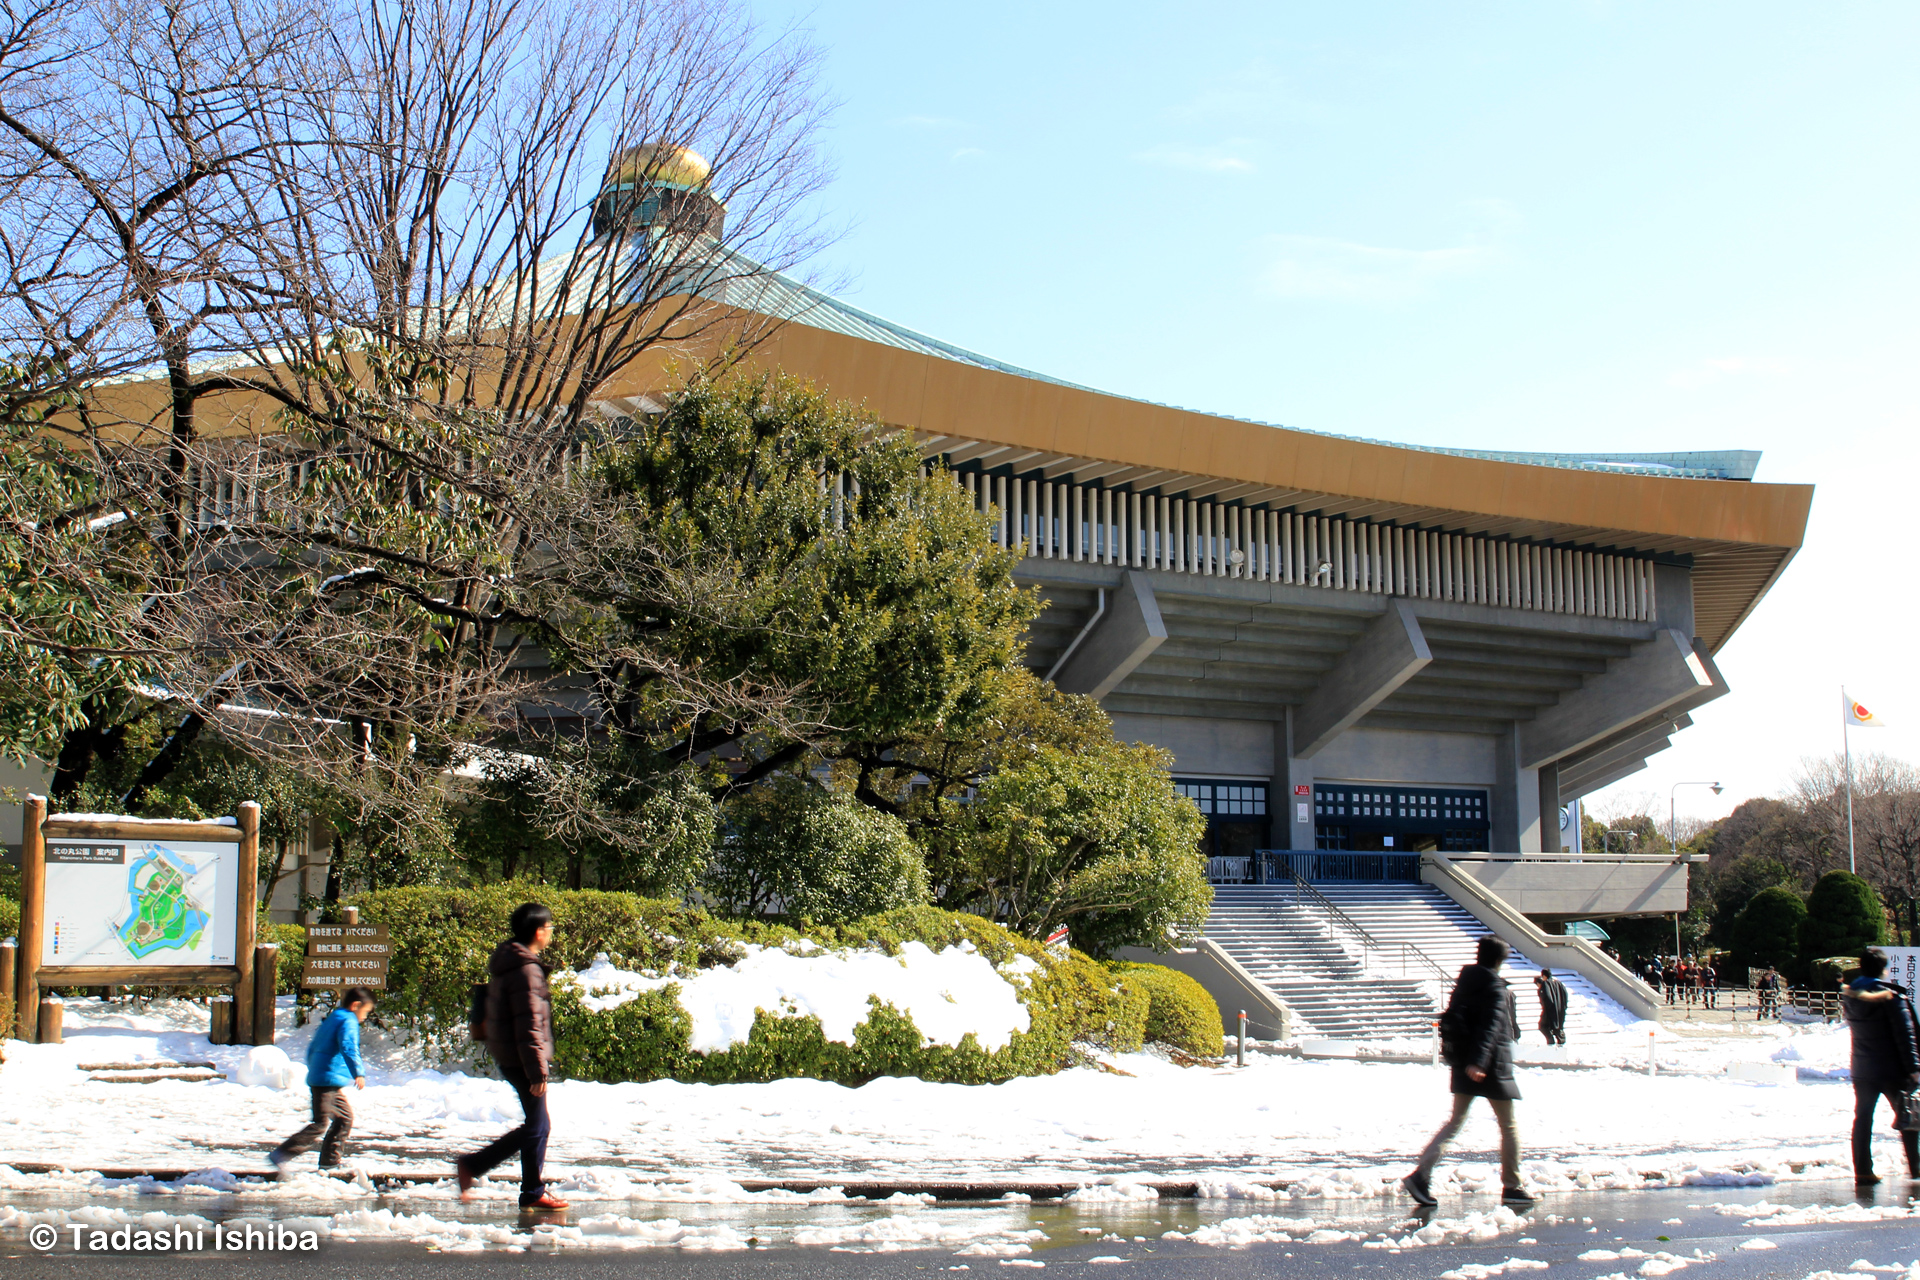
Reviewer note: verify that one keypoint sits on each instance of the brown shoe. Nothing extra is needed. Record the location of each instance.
(546, 1203)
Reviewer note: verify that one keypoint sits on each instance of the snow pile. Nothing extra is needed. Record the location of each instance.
(1110, 1190)
(1655, 1266)
(1259, 1228)
(1485, 1270)
(1474, 1228)
(268, 1067)
(1764, 1214)
(949, 993)
(1233, 1189)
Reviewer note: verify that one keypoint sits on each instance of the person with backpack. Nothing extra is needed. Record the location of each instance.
(516, 1023)
(1885, 1063)
(1553, 1006)
(1770, 993)
(1477, 1034)
(333, 1063)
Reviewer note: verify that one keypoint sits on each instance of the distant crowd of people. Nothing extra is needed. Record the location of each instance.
(1686, 981)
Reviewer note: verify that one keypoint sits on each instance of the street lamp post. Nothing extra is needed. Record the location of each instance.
(1673, 838)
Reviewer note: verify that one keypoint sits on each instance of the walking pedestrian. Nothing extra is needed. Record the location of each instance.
(1477, 1033)
(333, 1063)
(519, 1035)
(1553, 1006)
(1770, 993)
(1886, 1061)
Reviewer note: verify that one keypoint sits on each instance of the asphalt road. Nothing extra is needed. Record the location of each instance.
(1617, 1219)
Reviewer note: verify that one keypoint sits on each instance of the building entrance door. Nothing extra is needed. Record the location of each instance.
(1399, 819)
(1236, 814)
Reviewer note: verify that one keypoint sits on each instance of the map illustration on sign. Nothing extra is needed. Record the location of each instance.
(127, 901)
(164, 915)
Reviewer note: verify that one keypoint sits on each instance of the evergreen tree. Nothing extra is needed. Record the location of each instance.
(1844, 917)
(1767, 930)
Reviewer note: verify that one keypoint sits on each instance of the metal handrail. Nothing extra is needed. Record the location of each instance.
(1367, 940)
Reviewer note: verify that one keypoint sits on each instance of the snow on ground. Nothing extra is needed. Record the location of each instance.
(1335, 1129)
(948, 993)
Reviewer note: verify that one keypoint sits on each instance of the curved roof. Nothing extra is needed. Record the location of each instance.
(1700, 507)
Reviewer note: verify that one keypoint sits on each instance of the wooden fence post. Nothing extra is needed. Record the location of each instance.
(9, 953)
(33, 904)
(266, 985)
(248, 906)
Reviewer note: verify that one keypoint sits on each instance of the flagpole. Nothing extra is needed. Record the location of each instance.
(1846, 752)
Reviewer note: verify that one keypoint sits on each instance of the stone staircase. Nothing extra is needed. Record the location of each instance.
(1340, 990)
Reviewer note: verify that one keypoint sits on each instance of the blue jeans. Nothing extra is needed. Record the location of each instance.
(530, 1139)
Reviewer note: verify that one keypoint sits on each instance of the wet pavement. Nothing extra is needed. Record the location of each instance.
(1710, 1233)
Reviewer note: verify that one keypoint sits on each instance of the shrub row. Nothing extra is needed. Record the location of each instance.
(443, 938)
(1180, 1013)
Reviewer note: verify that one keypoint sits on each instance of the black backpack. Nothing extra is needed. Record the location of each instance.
(1453, 1034)
(477, 1012)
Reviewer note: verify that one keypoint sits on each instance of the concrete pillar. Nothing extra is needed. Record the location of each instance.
(1515, 804)
(1292, 814)
(1550, 808)
(1673, 598)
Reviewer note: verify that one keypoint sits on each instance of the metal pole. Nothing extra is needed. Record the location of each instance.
(1673, 838)
(1846, 752)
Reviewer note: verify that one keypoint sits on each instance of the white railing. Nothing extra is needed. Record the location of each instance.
(1057, 520)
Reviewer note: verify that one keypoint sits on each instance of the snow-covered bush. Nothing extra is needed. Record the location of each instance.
(443, 937)
(1179, 1010)
(651, 1034)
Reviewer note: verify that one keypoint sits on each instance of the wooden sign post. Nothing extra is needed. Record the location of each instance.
(137, 902)
(346, 955)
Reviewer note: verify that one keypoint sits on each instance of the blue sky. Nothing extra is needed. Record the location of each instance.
(1603, 226)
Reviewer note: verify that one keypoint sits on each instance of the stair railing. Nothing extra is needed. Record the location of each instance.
(1303, 892)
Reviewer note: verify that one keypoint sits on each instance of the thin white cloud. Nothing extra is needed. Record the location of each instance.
(1200, 160)
(1344, 271)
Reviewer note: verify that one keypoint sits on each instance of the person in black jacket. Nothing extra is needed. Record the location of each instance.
(1553, 1006)
(1484, 1025)
(520, 1038)
(1886, 1059)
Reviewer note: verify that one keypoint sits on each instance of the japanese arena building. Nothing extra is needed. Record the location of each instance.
(1347, 645)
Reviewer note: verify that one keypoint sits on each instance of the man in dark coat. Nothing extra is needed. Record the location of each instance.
(520, 1038)
(1484, 1025)
(1886, 1059)
(1553, 1006)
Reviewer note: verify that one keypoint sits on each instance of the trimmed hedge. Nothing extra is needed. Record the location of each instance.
(1179, 1011)
(293, 950)
(443, 938)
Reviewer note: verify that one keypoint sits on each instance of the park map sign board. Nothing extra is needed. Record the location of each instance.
(140, 902)
(108, 900)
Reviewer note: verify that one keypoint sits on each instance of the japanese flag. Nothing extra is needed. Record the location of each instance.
(1856, 714)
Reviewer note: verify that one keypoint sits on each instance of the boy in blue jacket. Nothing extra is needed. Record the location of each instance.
(333, 1062)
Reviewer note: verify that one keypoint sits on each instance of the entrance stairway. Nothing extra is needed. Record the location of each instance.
(1341, 988)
